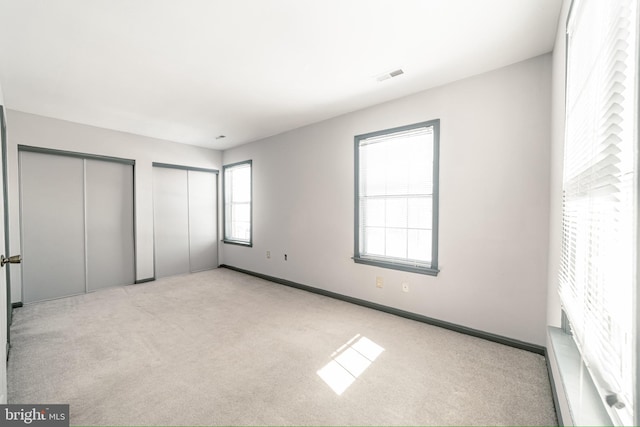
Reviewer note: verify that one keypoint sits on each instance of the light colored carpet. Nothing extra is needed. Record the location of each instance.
(221, 347)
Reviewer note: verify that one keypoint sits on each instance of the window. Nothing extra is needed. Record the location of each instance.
(597, 277)
(237, 203)
(396, 191)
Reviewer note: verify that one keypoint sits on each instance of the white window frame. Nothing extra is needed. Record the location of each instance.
(228, 203)
(403, 264)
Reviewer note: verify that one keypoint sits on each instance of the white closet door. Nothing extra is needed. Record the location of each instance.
(171, 221)
(203, 236)
(109, 216)
(52, 219)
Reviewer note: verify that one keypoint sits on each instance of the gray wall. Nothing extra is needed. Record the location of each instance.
(29, 129)
(494, 203)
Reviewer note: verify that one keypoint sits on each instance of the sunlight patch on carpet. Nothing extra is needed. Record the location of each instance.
(349, 362)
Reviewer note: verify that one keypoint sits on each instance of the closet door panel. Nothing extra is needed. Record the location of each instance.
(109, 216)
(203, 236)
(52, 219)
(171, 221)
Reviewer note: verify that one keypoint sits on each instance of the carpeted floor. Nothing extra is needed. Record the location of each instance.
(223, 348)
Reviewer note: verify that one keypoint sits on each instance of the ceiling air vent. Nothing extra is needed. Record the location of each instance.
(387, 76)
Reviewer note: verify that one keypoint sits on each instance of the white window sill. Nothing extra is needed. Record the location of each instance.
(578, 399)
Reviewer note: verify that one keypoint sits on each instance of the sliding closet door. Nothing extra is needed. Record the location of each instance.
(185, 225)
(203, 236)
(171, 221)
(109, 213)
(76, 222)
(52, 220)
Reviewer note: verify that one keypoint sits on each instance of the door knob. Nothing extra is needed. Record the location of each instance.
(16, 259)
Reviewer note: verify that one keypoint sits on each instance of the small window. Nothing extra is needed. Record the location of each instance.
(237, 203)
(396, 192)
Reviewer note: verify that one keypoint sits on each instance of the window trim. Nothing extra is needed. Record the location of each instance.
(433, 269)
(224, 205)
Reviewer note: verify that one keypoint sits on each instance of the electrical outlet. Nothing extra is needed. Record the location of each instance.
(379, 282)
(405, 287)
(268, 254)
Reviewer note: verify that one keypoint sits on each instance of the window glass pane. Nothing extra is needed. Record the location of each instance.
(227, 221)
(372, 170)
(374, 241)
(419, 212)
(227, 183)
(423, 146)
(373, 213)
(241, 191)
(396, 243)
(419, 181)
(420, 168)
(241, 212)
(241, 230)
(398, 158)
(419, 245)
(396, 212)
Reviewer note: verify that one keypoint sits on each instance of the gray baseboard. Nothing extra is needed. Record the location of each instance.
(534, 348)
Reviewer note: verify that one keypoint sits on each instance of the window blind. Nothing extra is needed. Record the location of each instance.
(599, 194)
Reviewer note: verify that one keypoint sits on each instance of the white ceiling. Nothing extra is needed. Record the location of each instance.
(190, 70)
